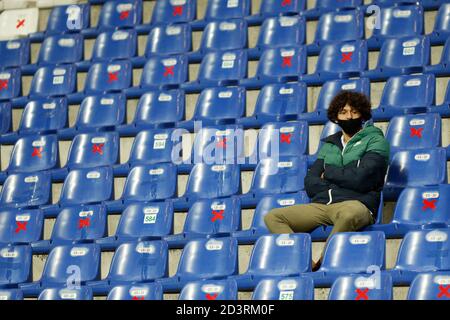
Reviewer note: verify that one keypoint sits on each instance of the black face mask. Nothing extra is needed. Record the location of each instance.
(351, 126)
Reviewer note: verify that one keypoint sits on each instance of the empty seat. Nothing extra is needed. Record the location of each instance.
(413, 168)
(84, 186)
(441, 29)
(164, 71)
(442, 68)
(141, 291)
(112, 45)
(351, 253)
(26, 189)
(11, 294)
(421, 251)
(209, 218)
(428, 4)
(214, 258)
(174, 11)
(34, 153)
(267, 203)
(70, 264)
(277, 255)
(44, 115)
(276, 7)
(53, 81)
(169, 39)
(331, 5)
(59, 49)
(18, 23)
(135, 262)
(419, 131)
(65, 19)
(90, 150)
(224, 35)
(157, 108)
(15, 264)
(359, 287)
(10, 84)
(21, 226)
(108, 77)
(223, 10)
(430, 286)
(399, 21)
(5, 117)
(14, 53)
(299, 288)
(209, 290)
(83, 293)
(151, 183)
(120, 14)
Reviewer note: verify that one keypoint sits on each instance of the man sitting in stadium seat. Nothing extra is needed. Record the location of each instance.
(345, 181)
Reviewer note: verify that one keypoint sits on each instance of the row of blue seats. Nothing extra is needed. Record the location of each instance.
(425, 286)
(417, 208)
(284, 255)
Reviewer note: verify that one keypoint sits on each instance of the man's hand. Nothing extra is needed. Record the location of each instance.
(321, 176)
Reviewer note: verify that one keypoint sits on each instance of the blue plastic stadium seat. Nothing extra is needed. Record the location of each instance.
(421, 251)
(427, 4)
(61, 17)
(406, 93)
(270, 8)
(441, 30)
(90, 150)
(418, 208)
(169, 39)
(413, 168)
(109, 77)
(282, 174)
(60, 49)
(277, 255)
(14, 53)
(141, 291)
(277, 102)
(5, 117)
(344, 25)
(11, 294)
(15, 264)
(21, 226)
(209, 218)
(83, 293)
(142, 222)
(418, 131)
(203, 259)
(89, 185)
(160, 108)
(358, 287)
(401, 56)
(298, 288)
(351, 253)
(229, 9)
(323, 6)
(174, 11)
(397, 22)
(44, 115)
(53, 81)
(224, 35)
(34, 153)
(443, 66)
(10, 84)
(430, 286)
(77, 263)
(116, 44)
(143, 261)
(209, 290)
(26, 190)
(120, 14)
(267, 203)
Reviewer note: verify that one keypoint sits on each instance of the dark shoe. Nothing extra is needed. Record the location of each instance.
(316, 265)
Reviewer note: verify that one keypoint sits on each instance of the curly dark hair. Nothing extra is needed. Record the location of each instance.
(356, 100)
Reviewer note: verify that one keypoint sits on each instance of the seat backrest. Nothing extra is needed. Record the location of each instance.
(333, 5)
(5, 117)
(281, 32)
(34, 153)
(223, 10)
(10, 83)
(61, 17)
(108, 76)
(160, 71)
(342, 25)
(21, 226)
(26, 189)
(83, 293)
(409, 91)
(90, 150)
(99, 111)
(11, 294)
(141, 291)
(224, 35)
(169, 39)
(44, 114)
(298, 288)
(281, 255)
(442, 22)
(354, 252)
(210, 290)
(118, 44)
(331, 88)
(64, 48)
(14, 53)
(120, 14)
(430, 286)
(139, 261)
(87, 185)
(350, 56)
(282, 64)
(417, 131)
(406, 52)
(54, 81)
(359, 287)
(400, 21)
(208, 258)
(146, 220)
(83, 259)
(213, 181)
(151, 182)
(423, 205)
(78, 223)
(174, 11)
(228, 67)
(15, 264)
(18, 23)
(276, 7)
